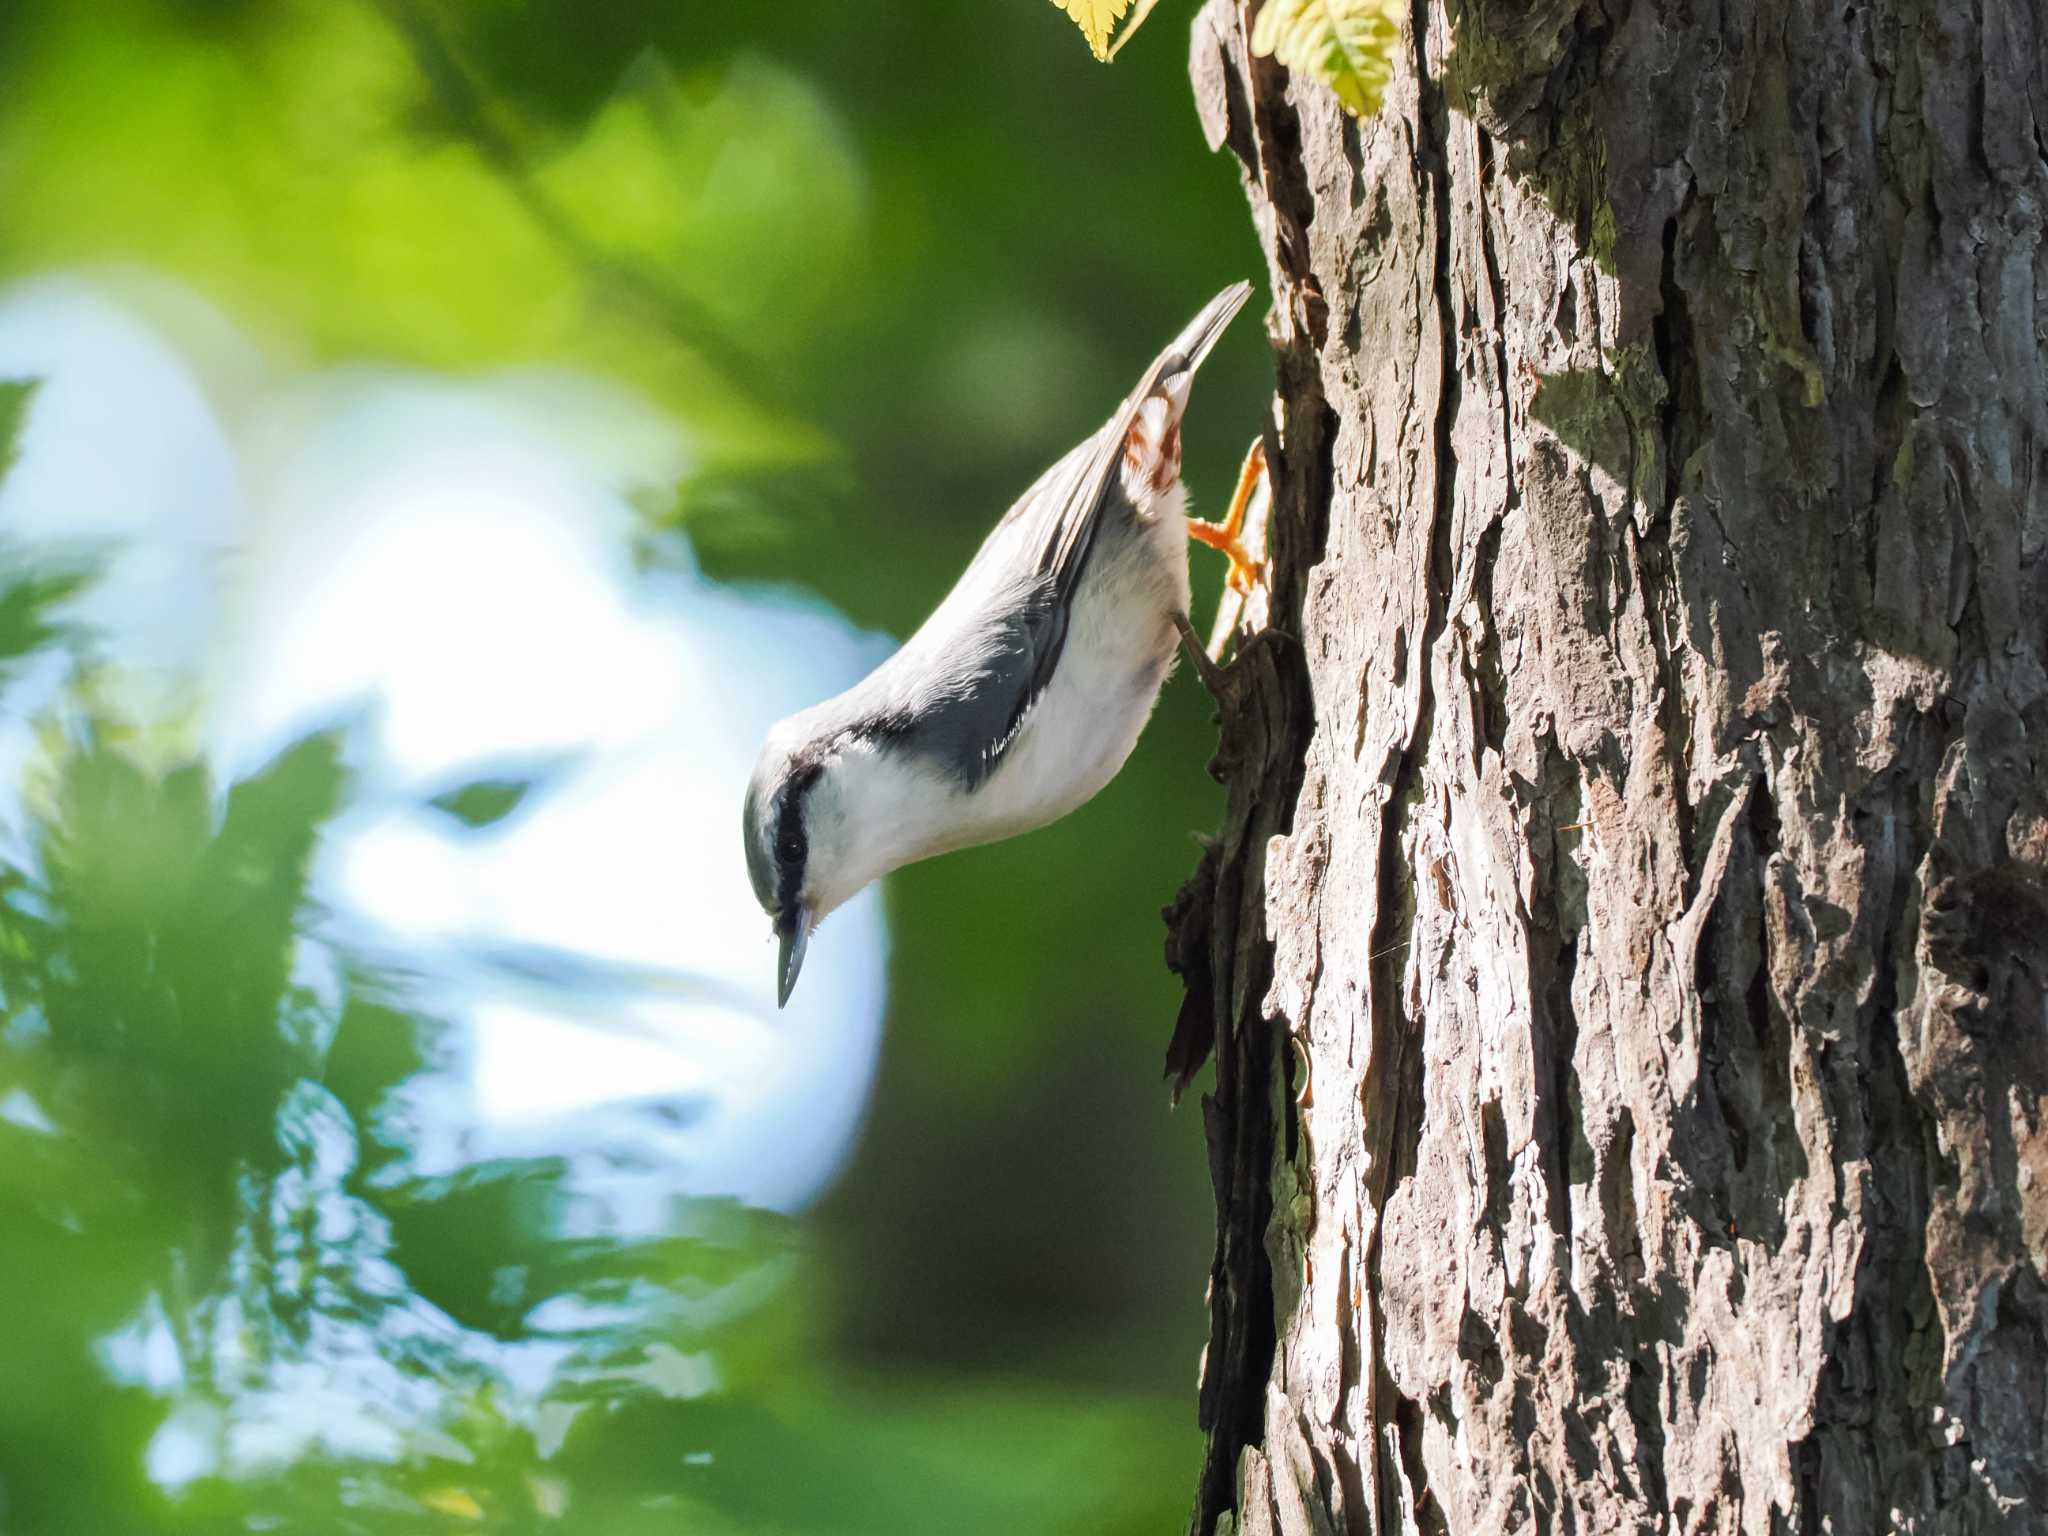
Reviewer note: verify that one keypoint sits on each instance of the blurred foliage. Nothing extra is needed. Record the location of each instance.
(485, 802)
(341, 175)
(882, 263)
(31, 602)
(15, 395)
(188, 1079)
(195, 1159)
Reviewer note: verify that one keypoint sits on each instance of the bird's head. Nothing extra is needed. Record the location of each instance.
(828, 810)
(780, 850)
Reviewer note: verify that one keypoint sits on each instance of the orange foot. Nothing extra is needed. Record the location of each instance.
(1228, 535)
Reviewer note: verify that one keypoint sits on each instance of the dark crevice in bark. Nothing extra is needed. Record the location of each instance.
(1190, 919)
(1350, 1475)
(1497, 291)
(1395, 1062)
(1733, 1074)
(1489, 679)
(1552, 980)
(1571, 1150)
(1884, 1336)
(1658, 580)
(1248, 1331)
(1319, 495)
(1392, 936)
(1891, 418)
(1764, 1080)
(1676, 428)
(1747, 1086)
(1238, 1125)
(1429, 1515)
(1672, 343)
(1238, 1128)
(1393, 1114)
(1644, 1400)
(1619, 1220)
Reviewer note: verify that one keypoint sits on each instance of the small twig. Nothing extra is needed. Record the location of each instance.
(1131, 27)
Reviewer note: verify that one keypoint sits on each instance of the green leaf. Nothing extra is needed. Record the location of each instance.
(15, 395)
(377, 1046)
(30, 598)
(1346, 44)
(484, 802)
(490, 797)
(1096, 19)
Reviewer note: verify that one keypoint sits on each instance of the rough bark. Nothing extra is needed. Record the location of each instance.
(1625, 952)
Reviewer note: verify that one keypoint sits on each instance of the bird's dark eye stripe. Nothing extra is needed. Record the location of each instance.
(789, 832)
(792, 846)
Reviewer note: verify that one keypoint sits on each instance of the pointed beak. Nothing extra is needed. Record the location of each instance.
(1194, 342)
(1174, 374)
(794, 930)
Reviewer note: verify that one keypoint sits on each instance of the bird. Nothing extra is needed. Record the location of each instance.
(1027, 688)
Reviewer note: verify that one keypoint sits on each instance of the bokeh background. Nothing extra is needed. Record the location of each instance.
(443, 435)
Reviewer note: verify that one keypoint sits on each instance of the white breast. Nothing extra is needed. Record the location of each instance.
(1120, 646)
(877, 810)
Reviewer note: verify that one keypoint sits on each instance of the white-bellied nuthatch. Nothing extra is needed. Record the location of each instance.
(1026, 689)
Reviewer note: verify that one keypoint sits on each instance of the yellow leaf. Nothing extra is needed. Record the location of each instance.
(1096, 19)
(1346, 44)
(453, 1501)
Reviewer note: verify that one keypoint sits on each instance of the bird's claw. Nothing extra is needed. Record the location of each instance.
(1216, 675)
(1247, 572)
(1206, 666)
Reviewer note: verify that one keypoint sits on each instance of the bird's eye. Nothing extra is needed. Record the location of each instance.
(790, 844)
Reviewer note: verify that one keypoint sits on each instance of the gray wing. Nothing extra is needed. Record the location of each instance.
(1000, 662)
(971, 675)
(958, 691)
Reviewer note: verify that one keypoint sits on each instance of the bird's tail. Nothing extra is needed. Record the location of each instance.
(1150, 418)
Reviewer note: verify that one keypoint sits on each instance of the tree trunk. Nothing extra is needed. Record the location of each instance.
(1626, 949)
